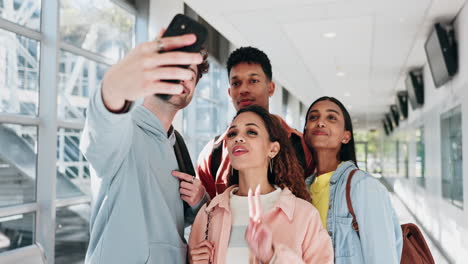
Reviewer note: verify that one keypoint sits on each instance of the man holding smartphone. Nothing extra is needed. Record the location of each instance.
(141, 203)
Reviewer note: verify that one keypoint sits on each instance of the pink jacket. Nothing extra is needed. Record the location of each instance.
(298, 234)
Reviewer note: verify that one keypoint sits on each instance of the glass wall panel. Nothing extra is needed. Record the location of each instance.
(23, 12)
(420, 157)
(78, 77)
(209, 112)
(98, 26)
(19, 74)
(16, 231)
(452, 156)
(72, 168)
(403, 161)
(18, 155)
(361, 155)
(72, 234)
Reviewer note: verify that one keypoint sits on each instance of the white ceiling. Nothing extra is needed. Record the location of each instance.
(376, 42)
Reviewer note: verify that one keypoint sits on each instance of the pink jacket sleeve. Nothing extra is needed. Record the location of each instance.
(197, 233)
(316, 247)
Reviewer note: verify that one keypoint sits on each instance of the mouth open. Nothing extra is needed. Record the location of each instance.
(238, 151)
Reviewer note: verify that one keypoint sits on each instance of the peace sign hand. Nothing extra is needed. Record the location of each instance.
(258, 235)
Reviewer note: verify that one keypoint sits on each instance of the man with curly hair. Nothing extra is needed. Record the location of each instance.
(141, 199)
(251, 83)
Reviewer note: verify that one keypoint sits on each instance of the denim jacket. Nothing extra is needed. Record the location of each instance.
(380, 238)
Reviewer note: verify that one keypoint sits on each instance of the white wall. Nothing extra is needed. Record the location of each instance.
(276, 101)
(445, 222)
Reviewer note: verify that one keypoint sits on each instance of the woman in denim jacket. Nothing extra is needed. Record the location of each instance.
(328, 133)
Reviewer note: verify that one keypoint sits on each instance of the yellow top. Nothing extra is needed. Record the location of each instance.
(320, 192)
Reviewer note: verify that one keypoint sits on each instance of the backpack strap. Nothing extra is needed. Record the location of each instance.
(216, 154)
(348, 200)
(297, 145)
(182, 155)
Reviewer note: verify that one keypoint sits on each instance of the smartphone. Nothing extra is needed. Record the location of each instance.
(181, 25)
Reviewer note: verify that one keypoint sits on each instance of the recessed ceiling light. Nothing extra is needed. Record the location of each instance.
(329, 35)
(340, 74)
(347, 94)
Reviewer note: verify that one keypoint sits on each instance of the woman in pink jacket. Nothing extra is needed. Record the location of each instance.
(289, 230)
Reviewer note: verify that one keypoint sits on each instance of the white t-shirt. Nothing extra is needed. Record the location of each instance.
(238, 250)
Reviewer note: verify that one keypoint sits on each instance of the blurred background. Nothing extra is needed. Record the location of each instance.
(400, 67)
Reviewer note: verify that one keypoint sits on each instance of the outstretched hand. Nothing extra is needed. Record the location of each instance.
(258, 235)
(142, 71)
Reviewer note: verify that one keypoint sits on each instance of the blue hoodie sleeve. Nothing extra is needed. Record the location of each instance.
(106, 137)
(379, 228)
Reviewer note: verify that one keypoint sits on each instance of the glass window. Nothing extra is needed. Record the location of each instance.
(72, 234)
(207, 115)
(92, 35)
(77, 78)
(402, 164)
(420, 157)
(361, 155)
(98, 26)
(287, 111)
(203, 88)
(23, 12)
(389, 164)
(404, 159)
(452, 159)
(302, 117)
(18, 155)
(16, 231)
(73, 177)
(19, 74)
(397, 160)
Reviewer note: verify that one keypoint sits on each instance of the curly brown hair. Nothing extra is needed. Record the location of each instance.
(287, 172)
(204, 66)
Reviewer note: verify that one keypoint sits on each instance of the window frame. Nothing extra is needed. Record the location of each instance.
(449, 114)
(48, 123)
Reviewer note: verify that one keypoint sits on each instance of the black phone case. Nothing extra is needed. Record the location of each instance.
(182, 24)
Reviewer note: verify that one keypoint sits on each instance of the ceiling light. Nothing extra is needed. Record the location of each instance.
(347, 94)
(329, 35)
(340, 74)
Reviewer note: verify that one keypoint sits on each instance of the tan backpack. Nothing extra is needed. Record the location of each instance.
(415, 249)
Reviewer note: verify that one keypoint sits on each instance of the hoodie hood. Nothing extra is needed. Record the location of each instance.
(148, 121)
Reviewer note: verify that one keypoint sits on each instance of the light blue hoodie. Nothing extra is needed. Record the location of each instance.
(380, 239)
(137, 213)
